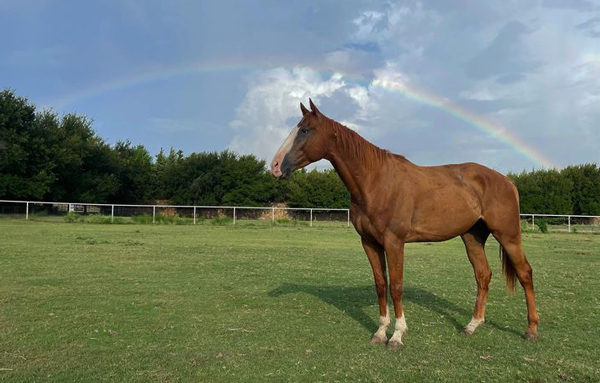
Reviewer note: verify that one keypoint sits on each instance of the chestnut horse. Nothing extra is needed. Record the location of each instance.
(394, 201)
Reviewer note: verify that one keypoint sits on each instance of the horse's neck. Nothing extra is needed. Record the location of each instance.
(356, 161)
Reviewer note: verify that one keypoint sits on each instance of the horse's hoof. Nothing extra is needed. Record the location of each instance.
(467, 331)
(531, 337)
(394, 344)
(376, 339)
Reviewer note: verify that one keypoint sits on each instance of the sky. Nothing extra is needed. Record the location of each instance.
(512, 84)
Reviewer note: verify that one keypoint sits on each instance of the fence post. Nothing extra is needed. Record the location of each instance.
(569, 224)
(234, 215)
(153, 214)
(194, 215)
(112, 213)
(533, 221)
(27, 211)
(310, 217)
(348, 217)
(273, 216)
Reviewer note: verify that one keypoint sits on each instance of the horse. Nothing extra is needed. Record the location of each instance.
(394, 202)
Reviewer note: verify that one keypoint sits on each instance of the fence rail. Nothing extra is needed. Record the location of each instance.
(234, 211)
(558, 222)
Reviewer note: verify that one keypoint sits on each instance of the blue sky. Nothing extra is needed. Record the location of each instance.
(210, 75)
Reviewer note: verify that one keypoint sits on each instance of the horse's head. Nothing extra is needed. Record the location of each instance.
(308, 142)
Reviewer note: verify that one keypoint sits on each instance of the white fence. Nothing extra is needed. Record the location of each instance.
(554, 222)
(563, 222)
(193, 212)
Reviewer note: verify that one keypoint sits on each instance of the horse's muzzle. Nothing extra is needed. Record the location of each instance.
(282, 167)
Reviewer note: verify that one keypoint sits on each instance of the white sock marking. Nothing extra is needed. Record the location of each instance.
(400, 329)
(384, 322)
(473, 324)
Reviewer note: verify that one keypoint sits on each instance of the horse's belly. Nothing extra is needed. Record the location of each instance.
(438, 219)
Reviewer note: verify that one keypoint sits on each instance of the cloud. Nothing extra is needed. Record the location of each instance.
(577, 5)
(591, 27)
(365, 47)
(272, 107)
(505, 55)
(494, 61)
(397, 28)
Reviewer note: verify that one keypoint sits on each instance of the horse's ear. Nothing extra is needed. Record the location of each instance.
(304, 110)
(314, 109)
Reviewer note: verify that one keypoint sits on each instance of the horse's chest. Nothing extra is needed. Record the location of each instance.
(364, 226)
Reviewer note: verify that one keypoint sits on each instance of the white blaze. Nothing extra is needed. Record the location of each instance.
(283, 150)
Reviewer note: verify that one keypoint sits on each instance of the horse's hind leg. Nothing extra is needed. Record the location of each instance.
(511, 242)
(474, 241)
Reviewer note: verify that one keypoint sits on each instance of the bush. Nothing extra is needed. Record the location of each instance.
(142, 219)
(104, 220)
(291, 222)
(222, 221)
(173, 220)
(184, 221)
(543, 225)
(73, 217)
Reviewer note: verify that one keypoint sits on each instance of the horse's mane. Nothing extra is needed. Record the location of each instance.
(354, 144)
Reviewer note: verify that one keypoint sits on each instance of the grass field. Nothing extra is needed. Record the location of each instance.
(88, 302)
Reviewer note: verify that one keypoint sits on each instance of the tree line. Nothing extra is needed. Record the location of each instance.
(571, 190)
(48, 157)
(44, 156)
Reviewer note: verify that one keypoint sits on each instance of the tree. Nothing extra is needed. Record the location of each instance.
(245, 180)
(134, 173)
(26, 171)
(86, 167)
(585, 194)
(317, 189)
(167, 175)
(544, 191)
(215, 179)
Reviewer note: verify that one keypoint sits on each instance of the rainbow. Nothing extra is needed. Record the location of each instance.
(493, 129)
(148, 76)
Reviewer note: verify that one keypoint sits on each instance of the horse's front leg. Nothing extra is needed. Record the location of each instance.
(394, 249)
(376, 257)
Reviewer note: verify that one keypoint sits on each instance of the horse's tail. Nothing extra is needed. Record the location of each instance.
(508, 269)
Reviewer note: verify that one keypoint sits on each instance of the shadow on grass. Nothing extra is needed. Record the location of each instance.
(353, 300)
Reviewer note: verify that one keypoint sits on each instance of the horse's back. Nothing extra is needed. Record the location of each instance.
(486, 183)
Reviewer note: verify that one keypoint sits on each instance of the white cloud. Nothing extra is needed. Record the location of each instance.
(481, 94)
(368, 24)
(263, 119)
(271, 106)
(405, 27)
(545, 93)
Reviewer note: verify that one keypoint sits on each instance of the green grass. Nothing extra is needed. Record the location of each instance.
(145, 219)
(139, 303)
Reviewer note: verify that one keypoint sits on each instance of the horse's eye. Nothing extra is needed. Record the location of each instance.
(303, 130)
